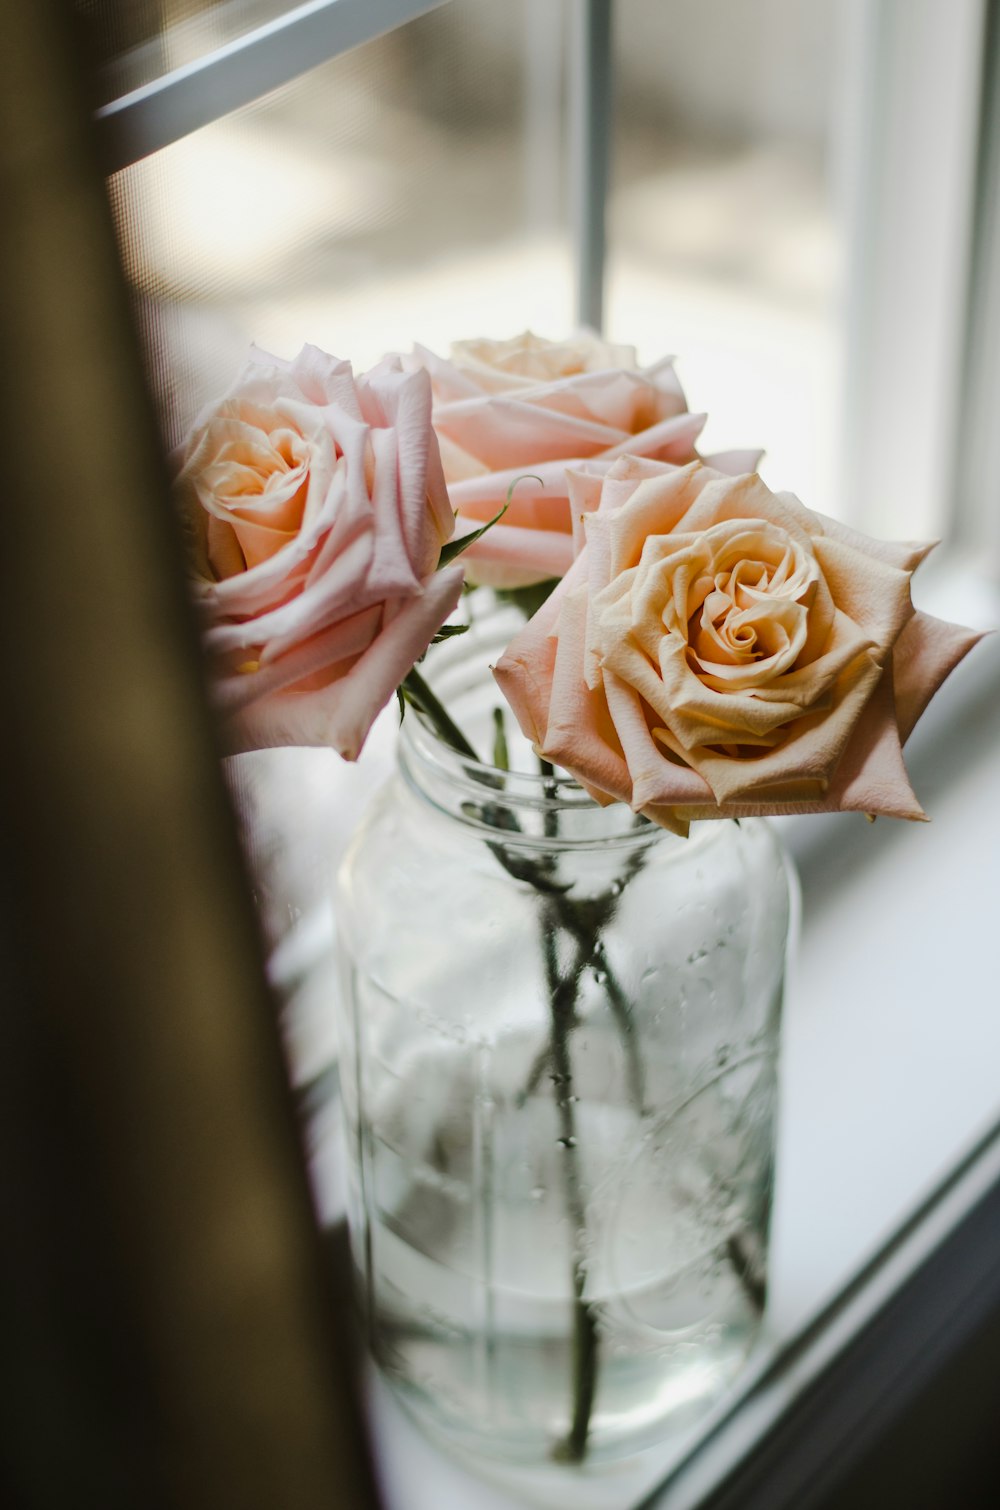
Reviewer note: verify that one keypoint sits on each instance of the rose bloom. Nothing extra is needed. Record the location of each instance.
(717, 650)
(315, 510)
(503, 409)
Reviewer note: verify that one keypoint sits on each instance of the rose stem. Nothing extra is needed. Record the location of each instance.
(753, 1288)
(417, 690)
(419, 693)
(588, 951)
(501, 754)
(563, 992)
(621, 1009)
(562, 998)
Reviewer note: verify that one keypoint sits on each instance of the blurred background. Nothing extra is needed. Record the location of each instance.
(417, 189)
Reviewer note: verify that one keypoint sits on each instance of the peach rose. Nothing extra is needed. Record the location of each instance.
(506, 408)
(315, 509)
(717, 650)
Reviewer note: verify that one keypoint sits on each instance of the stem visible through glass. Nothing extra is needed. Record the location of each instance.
(559, 912)
(562, 999)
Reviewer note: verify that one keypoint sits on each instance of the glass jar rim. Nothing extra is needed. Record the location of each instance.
(524, 809)
(538, 809)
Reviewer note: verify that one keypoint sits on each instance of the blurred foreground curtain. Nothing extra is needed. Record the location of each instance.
(169, 1336)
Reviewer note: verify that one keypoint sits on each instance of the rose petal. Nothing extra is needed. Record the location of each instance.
(515, 557)
(324, 652)
(801, 765)
(649, 770)
(525, 674)
(871, 777)
(323, 380)
(503, 408)
(926, 652)
(392, 573)
(341, 714)
(584, 489)
(873, 594)
(734, 463)
(906, 555)
(426, 514)
(341, 591)
(656, 506)
(670, 439)
(632, 685)
(579, 725)
(507, 432)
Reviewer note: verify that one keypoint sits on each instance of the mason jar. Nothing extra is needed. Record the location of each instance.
(558, 1064)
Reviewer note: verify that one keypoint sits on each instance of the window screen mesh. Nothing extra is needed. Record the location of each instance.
(415, 189)
(412, 189)
(136, 41)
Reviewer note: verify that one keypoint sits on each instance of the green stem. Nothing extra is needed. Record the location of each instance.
(559, 911)
(590, 951)
(752, 1283)
(621, 1011)
(562, 998)
(416, 690)
(590, 947)
(501, 754)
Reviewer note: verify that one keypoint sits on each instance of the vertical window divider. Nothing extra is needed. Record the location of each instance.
(978, 434)
(591, 77)
(909, 132)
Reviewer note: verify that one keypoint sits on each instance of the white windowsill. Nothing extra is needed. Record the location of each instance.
(890, 1046)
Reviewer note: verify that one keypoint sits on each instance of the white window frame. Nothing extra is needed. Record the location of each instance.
(908, 150)
(922, 446)
(184, 99)
(909, 271)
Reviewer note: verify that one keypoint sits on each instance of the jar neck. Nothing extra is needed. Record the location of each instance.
(525, 805)
(538, 811)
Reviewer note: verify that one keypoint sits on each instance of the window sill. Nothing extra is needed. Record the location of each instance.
(888, 1077)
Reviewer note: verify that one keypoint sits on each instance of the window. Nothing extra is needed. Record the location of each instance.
(802, 201)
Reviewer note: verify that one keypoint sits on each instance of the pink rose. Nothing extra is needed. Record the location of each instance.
(316, 509)
(717, 650)
(506, 408)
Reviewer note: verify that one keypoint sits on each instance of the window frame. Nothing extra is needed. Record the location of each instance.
(184, 99)
(830, 1397)
(832, 1407)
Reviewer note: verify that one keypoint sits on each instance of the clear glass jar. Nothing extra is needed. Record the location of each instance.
(558, 1066)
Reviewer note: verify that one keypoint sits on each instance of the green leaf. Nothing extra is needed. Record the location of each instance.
(449, 631)
(456, 547)
(528, 599)
(402, 703)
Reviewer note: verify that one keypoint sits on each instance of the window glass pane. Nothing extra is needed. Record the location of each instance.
(138, 40)
(725, 242)
(410, 190)
(415, 190)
